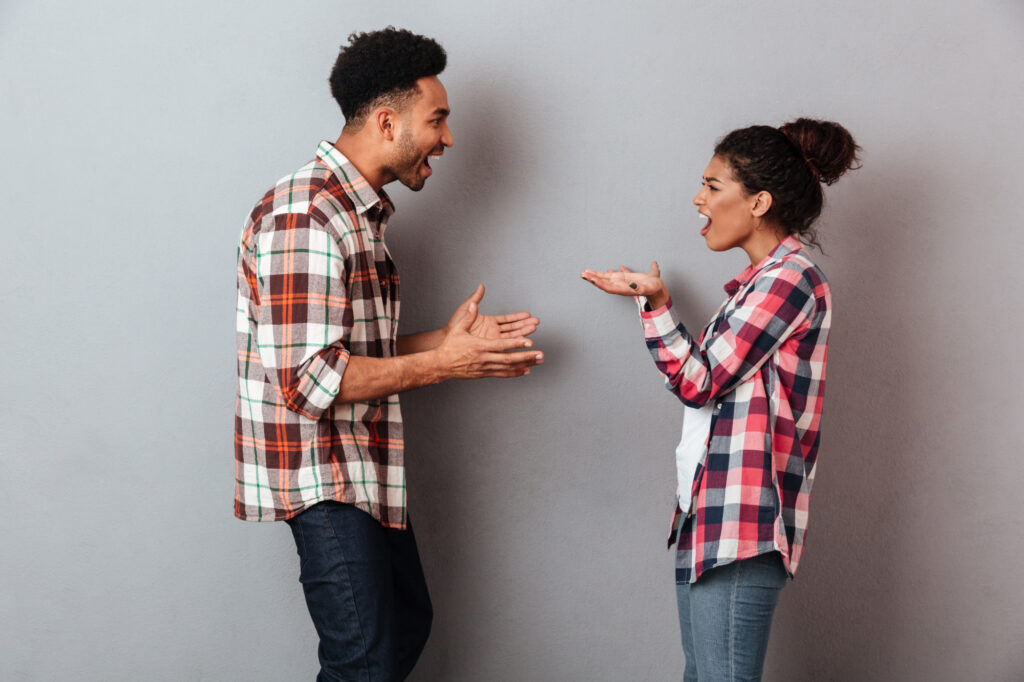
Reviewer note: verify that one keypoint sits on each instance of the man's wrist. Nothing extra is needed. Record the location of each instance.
(434, 368)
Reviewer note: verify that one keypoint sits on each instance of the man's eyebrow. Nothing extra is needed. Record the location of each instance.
(442, 111)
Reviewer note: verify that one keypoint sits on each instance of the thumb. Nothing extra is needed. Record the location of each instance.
(655, 271)
(477, 295)
(468, 318)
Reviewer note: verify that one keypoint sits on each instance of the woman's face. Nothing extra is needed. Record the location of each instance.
(727, 206)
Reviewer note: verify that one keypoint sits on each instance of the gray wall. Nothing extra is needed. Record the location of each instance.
(135, 138)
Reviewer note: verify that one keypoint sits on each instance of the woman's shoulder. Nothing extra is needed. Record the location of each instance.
(792, 276)
(796, 265)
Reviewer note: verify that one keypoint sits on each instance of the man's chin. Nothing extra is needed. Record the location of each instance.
(415, 185)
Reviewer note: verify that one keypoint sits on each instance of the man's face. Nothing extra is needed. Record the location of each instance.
(423, 132)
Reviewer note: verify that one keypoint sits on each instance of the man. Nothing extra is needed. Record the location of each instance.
(318, 431)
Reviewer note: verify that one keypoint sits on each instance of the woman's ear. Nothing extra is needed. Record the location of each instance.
(762, 203)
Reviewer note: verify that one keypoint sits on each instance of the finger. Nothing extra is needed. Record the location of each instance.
(617, 289)
(623, 268)
(524, 358)
(504, 344)
(511, 325)
(599, 278)
(655, 271)
(620, 288)
(506, 373)
(511, 317)
(521, 329)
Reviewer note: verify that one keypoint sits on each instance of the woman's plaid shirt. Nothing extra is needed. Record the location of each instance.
(316, 284)
(761, 360)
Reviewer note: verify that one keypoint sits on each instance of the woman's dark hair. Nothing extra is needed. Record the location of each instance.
(790, 163)
(382, 64)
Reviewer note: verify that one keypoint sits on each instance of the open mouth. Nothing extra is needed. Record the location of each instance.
(426, 163)
(707, 226)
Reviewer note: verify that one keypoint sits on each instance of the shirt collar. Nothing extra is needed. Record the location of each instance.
(352, 181)
(787, 246)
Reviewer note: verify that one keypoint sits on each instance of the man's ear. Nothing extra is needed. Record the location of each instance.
(762, 204)
(386, 121)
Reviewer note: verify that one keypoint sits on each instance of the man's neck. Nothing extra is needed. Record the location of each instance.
(355, 148)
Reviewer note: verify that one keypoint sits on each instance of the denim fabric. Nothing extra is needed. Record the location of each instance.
(726, 616)
(365, 591)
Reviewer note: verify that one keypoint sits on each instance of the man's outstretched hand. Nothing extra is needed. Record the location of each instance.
(509, 326)
(476, 346)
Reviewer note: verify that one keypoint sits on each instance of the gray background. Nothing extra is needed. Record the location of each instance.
(136, 137)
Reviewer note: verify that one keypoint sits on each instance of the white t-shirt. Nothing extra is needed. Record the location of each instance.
(692, 449)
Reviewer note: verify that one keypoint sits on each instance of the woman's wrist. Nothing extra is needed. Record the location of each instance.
(658, 298)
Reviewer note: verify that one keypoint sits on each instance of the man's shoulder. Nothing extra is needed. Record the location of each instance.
(310, 198)
(310, 190)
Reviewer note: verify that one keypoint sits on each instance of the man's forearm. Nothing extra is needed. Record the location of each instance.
(451, 352)
(372, 378)
(418, 343)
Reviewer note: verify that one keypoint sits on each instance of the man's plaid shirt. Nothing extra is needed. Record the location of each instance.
(761, 361)
(315, 284)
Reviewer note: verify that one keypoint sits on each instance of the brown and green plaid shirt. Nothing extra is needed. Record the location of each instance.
(315, 284)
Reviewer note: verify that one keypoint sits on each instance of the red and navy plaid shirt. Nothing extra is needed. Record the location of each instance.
(316, 284)
(761, 361)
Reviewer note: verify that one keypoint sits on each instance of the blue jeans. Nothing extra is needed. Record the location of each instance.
(365, 591)
(726, 616)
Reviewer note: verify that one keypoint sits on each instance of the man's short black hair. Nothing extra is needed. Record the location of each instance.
(382, 66)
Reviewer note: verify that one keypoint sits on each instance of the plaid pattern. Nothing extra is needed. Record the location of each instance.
(761, 360)
(315, 284)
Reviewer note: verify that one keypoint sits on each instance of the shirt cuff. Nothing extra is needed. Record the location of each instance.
(321, 384)
(658, 322)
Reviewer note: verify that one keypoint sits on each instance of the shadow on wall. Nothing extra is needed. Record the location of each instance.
(838, 619)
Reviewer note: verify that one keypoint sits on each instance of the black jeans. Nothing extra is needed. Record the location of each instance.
(365, 591)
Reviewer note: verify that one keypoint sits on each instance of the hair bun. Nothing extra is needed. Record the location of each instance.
(827, 147)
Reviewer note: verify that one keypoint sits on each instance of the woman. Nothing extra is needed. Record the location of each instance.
(752, 383)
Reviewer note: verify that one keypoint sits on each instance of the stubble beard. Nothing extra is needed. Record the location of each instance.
(407, 163)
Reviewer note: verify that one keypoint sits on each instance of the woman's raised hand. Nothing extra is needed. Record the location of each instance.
(625, 282)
